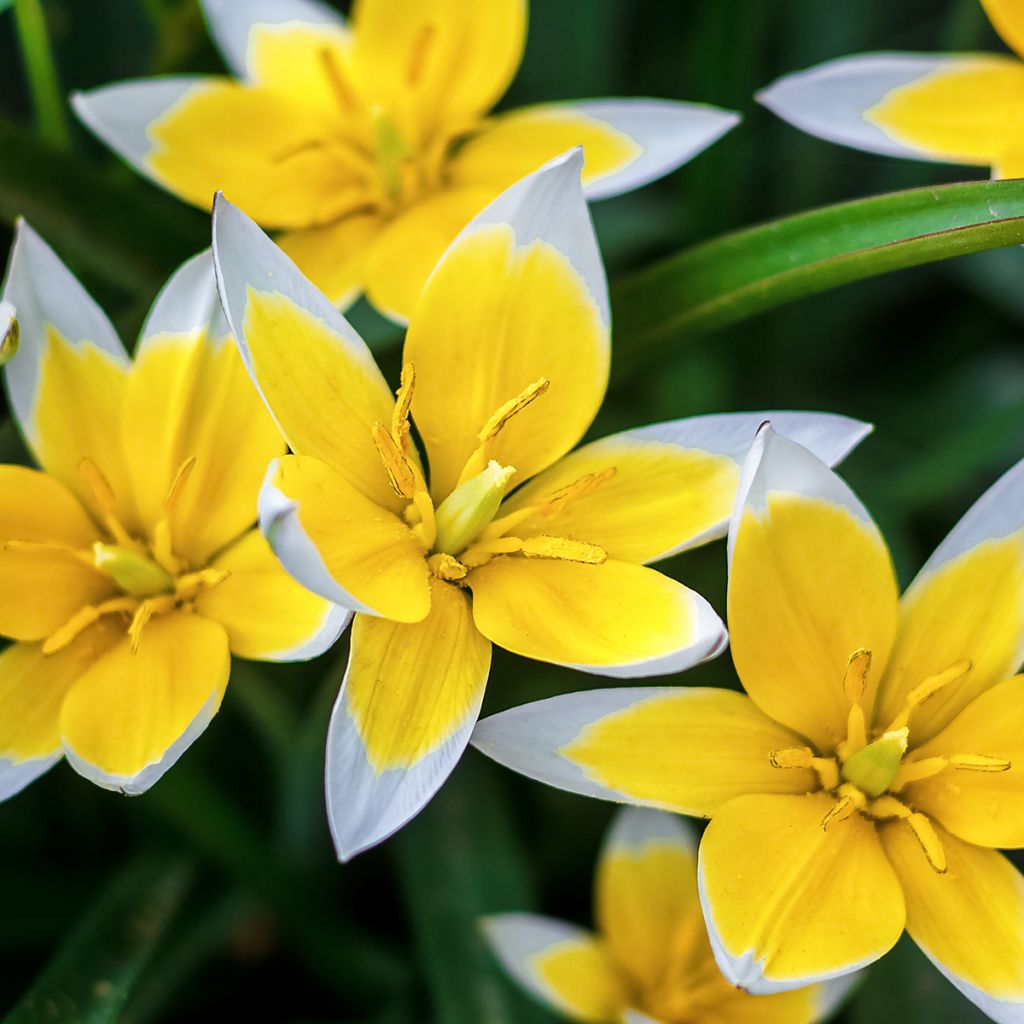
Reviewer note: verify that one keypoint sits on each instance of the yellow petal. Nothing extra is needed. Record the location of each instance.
(647, 906)
(1008, 18)
(130, 716)
(334, 257)
(315, 373)
(492, 308)
(567, 968)
(969, 920)
(410, 699)
(32, 691)
(42, 586)
(613, 619)
(267, 615)
(431, 63)
(514, 144)
(701, 748)
(279, 160)
(401, 258)
(982, 806)
(971, 606)
(190, 397)
(810, 582)
(644, 499)
(788, 903)
(340, 544)
(957, 113)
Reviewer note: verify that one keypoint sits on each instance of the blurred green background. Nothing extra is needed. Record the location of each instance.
(219, 888)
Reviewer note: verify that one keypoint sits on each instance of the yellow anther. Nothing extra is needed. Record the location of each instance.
(915, 771)
(855, 679)
(564, 550)
(512, 407)
(163, 547)
(873, 769)
(446, 567)
(403, 402)
(928, 688)
(396, 464)
(150, 607)
(887, 807)
(103, 495)
(343, 93)
(133, 572)
(979, 763)
(178, 484)
(10, 333)
(934, 851)
(851, 800)
(83, 619)
(792, 757)
(418, 55)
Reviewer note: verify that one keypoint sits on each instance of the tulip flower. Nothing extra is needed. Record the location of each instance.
(130, 569)
(868, 778)
(369, 146)
(503, 534)
(650, 961)
(950, 108)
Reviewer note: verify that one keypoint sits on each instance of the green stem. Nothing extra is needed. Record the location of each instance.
(47, 95)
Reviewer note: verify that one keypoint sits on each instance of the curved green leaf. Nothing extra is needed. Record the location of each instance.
(747, 272)
(92, 973)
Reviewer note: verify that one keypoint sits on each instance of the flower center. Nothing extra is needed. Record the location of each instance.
(868, 775)
(152, 579)
(466, 530)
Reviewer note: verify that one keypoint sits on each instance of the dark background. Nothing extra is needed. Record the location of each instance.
(270, 928)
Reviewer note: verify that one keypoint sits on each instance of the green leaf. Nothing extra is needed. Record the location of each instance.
(44, 83)
(738, 275)
(459, 861)
(89, 979)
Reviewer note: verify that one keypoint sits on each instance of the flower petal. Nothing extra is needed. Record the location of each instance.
(982, 807)
(32, 690)
(615, 619)
(190, 397)
(130, 716)
(335, 257)
(194, 135)
(967, 602)
(436, 65)
(341, 545)
(267, 615)
(402, 257)
(231, 24)
(70, 359)
(832, 99)
(686, 749)
(316, 374)
(525, 270)
(563, 966)
(788, 903)
(969, 921)
(673, 484)
(627, 143)
(647, 906)
(42, 587)
(810, 583)
(410, 699)
(1008, 19)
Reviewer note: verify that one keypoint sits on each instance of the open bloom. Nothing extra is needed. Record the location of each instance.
(651, 961)
(130, 568)
(951, 108)
(512, 541)
(868, 779)
(370, 146)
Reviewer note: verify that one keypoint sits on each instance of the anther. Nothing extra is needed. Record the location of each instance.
(145, 612)
(447, 567)
(979, 763)
(339, 86)
(844, 808)
(855, 678)
(929, 840)
(103, 495)
(564, 550)
(418, 56)
(505, 412)
(791, 757)
(396, 464)
(403, 402)
(928, 688)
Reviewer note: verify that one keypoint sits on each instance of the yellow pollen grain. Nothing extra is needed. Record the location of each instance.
(564, 550)
(512, 407)
(447, 567)
(396, 465)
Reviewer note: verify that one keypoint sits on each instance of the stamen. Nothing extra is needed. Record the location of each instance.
(888, 807)
(103, 495)
(856, 677)
(31, 547)
(979, 763)
(851, 800)
(791, 757)
(150, 607)
(163, 547)
(420, 50)
(426, 528)
(482, 552)
(915, 771)
(447, 567)
(396, 464)
(403, 402)
(928, 688)
(188, 586)
(564, 550)
(339, 86)
(83, 619)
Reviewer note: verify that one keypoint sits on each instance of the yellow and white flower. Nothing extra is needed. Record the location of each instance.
(650, 961)
(950, 108)
(370, 146)
(868, 778)
(130, 568)
(516, 540)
